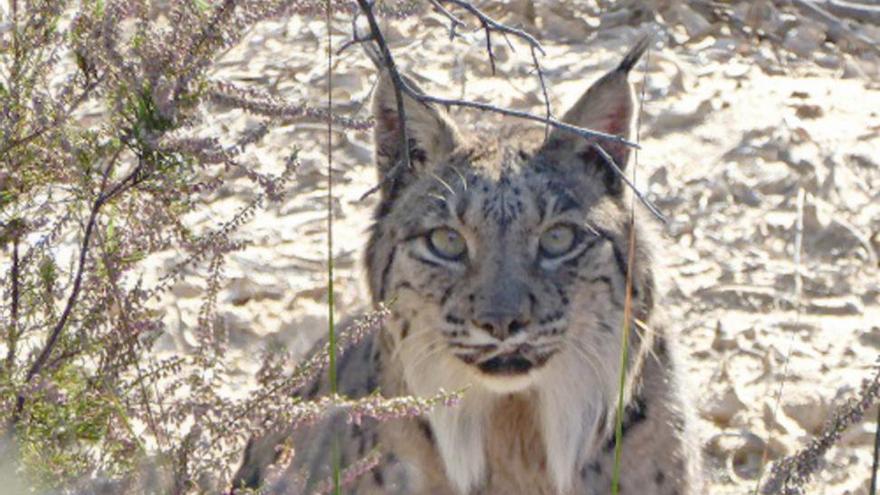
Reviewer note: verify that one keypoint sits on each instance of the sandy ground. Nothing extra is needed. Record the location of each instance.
(731, 137)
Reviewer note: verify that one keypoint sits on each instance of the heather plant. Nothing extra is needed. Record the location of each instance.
(102, 156)
(103, 152)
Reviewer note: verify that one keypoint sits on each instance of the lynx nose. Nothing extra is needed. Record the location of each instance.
(501, 325)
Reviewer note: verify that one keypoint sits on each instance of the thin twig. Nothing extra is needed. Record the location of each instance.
(580, 131)
(60, 119)
(397, 81)
(852, 10)
(385, 60)
(798, 291)
(645, 201)
(490, 24)
(489, 48)
(355, 37)
(535, 47)
(876, 464)
(51, 342)
(354, 41)
(12, 337)
(454, 22)
(836, 26)
(451, 102)
(543, 90)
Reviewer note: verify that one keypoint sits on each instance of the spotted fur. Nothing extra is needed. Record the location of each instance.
(534, 340)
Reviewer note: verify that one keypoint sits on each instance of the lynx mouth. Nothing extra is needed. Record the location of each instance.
(509, 362)
(512, 363)
(506, 364)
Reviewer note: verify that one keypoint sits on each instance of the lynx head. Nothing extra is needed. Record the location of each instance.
(501, 256)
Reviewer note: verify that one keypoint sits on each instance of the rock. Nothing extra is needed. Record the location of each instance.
(741, 452)
(804, 40)
(186, 290)
(721, 406)
(829, 61)
(861, 434)
(807, 407)
(808, 111)
(745, 297)
(722, 341)
(746, 460)
(680, 117)
(238, 327)
(852, 69)
(660, 176)
(695, 24)
(827, 235)
(835, 306)
(565, 27)
(871, 337)
(242, 289)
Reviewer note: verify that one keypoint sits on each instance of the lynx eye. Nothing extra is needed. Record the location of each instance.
(557, 240)
(446, 243)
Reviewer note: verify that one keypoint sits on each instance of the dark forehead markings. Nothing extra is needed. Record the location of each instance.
(551, 192)
(437, 204)
(565, 201)
(503, 203)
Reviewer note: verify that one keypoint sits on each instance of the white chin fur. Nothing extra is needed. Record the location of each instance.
(507, 384)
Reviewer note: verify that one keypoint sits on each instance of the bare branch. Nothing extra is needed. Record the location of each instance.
(852, 10)
(543, 91)
(12, 336)
(837, 27)
(645, 201)
(51, 342)
(385, 61)
(388, 62)
(490, 24)
(454, 22)
(580, 131)
(400, 85)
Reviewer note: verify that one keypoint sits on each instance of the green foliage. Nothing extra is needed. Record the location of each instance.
(98, 167)
(69, 422)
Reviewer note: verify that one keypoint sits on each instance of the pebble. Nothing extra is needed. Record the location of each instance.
(804, 40)
(240, 290)
(808, 408)
(722, 405)
(836, 306)
(186, 290)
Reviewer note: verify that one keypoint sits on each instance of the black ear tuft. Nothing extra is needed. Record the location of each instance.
(608, 106)
(634, 55)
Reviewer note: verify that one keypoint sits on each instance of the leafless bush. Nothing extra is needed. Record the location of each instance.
(100, 157)
(100, 107)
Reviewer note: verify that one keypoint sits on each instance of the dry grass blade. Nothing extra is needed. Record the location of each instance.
(628, 319)
(798, 290)
(331, 330)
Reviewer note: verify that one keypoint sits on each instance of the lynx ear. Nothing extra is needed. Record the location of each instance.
(431, 133)
(608, 106)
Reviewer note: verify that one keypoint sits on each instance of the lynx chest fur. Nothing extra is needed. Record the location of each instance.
(507, 265)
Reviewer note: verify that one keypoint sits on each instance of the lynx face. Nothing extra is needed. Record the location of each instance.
(501, 257)
(510, 262)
